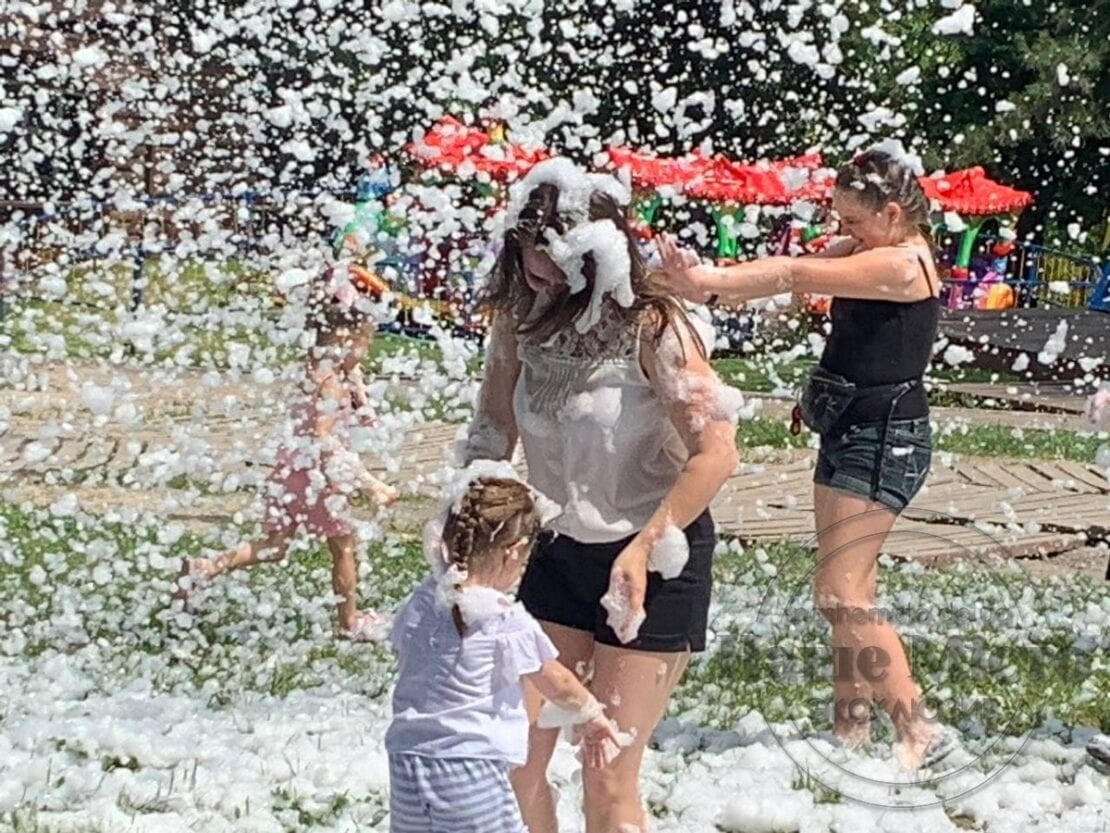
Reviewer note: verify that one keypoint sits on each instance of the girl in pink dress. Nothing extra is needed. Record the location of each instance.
(316, 472)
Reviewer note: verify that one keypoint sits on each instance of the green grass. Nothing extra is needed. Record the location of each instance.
(303, 812)
(129, 569)
(763, 374)
(773, 654)
(979, 440)
(270, 630)
(766, 432)
(1003, 441)
(64, 331)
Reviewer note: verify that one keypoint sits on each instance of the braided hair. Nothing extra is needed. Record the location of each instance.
(877, 178)
(493, 514)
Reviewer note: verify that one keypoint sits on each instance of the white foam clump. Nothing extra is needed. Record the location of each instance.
(554, 716)
(710, 398)
(576, 188)
(477, 604)
(953, 221)
(290, 279)
(956, 354)
(9, 118)
(897, 151)
(624, 621)
(961, 21)
(601, 406)
(670, 553)
(613, 265)
(97, 399)
(456, 489)
(766, 813)
(1055, 345)
(908, 76)
(90, 56)
(432, 540)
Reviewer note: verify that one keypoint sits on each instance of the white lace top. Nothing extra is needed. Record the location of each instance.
(597, 439)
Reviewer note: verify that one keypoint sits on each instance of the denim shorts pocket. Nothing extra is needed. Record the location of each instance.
(909, 455)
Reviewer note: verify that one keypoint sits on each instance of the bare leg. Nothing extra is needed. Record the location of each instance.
(197, 571)
(533, 792)
(852, 694)
(344, 579)
(634, 686)
(870, 658)
(271, 548)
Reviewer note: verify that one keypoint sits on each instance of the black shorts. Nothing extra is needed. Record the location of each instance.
(565, 580)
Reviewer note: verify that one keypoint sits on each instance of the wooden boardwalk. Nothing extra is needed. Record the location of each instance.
(971, 508)
(1053, 397)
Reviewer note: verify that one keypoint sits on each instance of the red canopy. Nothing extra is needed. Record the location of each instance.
(657, 171)
(453, 145)
(971, 191)
(724, 180)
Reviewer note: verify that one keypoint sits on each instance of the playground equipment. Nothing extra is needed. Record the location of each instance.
(726, 185)
(976, 198)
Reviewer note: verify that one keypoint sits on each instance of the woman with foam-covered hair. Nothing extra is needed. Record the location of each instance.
(603, 375)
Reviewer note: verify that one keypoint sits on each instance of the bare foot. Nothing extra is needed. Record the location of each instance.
(856, 737)
(924, 746)
(367, 626)
(911, 746)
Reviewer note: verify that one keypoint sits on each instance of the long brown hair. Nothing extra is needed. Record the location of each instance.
(509, 293)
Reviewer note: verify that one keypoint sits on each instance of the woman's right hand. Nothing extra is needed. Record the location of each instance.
(679, 265)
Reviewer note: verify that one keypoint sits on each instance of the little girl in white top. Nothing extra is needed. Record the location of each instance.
(459, 720)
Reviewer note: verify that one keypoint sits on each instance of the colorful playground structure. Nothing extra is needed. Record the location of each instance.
(778, 206)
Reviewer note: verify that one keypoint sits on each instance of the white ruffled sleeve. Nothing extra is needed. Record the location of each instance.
(521, 650)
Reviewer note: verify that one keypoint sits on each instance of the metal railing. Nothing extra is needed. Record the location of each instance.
(1040, 276)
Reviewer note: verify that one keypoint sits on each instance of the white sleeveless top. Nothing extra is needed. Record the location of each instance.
(597, 439)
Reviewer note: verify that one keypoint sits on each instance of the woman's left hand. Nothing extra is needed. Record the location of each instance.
(678, 265)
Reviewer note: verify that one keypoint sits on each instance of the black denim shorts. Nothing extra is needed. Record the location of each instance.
(565, 580)
(884, 461)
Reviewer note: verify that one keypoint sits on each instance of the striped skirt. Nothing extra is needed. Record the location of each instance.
(451, 795)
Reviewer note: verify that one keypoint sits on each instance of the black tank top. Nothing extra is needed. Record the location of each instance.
(881, 343)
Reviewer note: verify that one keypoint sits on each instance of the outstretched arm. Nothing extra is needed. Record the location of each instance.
(889, 273)
(576, 707)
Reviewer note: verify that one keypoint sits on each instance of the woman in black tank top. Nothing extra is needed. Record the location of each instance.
(867, 401)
